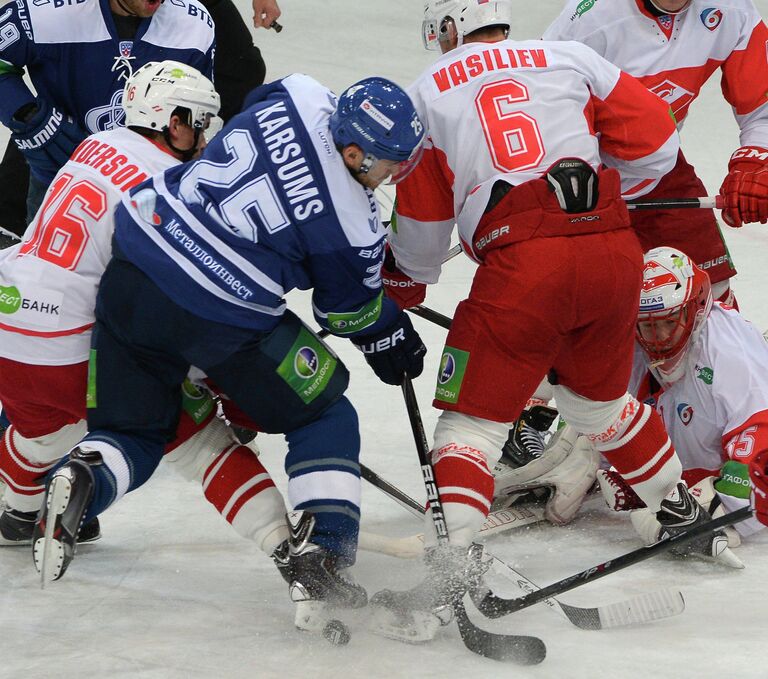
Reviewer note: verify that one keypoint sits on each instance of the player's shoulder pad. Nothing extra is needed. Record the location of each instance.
(63, 21)
(732, 344)
(181, 24)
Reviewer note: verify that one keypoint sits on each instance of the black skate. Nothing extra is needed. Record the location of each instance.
(316, 585)
(16, 529)
(415, 615)
(678, 516)
(55, 534)
(526, 443)
(527, 437)
(281, 558)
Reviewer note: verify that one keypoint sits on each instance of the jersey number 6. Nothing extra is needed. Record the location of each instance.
(512, 136)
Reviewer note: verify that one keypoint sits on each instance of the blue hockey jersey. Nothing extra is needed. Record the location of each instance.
(270, 206)
(77, 62)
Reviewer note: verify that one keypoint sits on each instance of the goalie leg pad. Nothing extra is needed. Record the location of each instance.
(567, 467)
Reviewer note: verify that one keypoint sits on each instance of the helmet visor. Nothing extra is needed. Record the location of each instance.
(405, 167)
(663, 335)
(212, 127)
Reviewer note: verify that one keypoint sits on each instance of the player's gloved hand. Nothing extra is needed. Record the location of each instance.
(394, 352)
(46, 136)
(745, 189)
(399, 287)
(758, 472)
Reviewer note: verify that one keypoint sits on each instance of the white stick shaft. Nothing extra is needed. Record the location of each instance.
(412, 546)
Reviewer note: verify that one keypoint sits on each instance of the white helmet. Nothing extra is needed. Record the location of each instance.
(675, 300)
(467, 16)
(153, 92)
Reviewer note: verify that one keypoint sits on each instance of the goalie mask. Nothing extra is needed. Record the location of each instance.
(675, 301)
(155, 92)
(444, 19)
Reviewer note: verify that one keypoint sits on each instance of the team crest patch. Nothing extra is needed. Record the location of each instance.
(711, 18)
(685, 413)
(665, 21)
(126, 46)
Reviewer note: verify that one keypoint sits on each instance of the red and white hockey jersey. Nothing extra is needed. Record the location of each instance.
(48, 282)
(509, 110)
(719, 409)
(673, 56)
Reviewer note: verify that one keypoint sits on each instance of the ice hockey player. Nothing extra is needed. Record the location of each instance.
(78, 56)
(517, 135)
(673, 47)
(702, 367)
(48, 288)
(281, 199)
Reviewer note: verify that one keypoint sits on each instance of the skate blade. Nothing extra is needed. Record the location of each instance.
(414, 627)
(311, 616)
(49, 553)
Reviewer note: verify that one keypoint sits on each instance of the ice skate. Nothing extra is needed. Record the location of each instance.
(55, 534)
(416, 615)
(16, 529)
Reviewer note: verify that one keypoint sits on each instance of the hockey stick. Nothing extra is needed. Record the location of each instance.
(708, 202)
(636, 610)
(412, 546)
(525, 650)
(496, 607)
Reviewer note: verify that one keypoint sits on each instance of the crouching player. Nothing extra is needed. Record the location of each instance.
(702, 366)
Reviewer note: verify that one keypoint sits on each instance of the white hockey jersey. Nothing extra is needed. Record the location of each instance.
(48, 282)
(673, 56)
(509, 110)
(719, 409)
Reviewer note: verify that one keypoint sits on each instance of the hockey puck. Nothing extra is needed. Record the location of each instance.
(336, 632)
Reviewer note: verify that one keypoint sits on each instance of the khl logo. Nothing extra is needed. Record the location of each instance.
(447, 368)
(306, 362)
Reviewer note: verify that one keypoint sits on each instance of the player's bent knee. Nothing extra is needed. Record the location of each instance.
(485, 436)
(593, 418)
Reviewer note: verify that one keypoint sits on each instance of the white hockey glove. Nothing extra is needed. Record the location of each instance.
(566, 468)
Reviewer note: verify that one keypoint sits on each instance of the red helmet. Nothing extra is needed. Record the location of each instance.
(674, 304)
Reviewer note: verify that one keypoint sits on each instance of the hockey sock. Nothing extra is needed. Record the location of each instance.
(24, 477)
(324, 477)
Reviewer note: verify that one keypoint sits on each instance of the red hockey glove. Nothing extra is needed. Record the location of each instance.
(759, 473)
(401, 288)
(745, 189)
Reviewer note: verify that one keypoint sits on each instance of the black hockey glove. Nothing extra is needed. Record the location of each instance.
(394, 352)
(46, 136)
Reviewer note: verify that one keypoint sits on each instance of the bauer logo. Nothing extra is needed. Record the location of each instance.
(685, 413)
(711, 18)
(305, 363)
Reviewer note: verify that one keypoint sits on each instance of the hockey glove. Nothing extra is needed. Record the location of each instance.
(394, 352)
(759, 474)
(399, 287)
(745, 189)
(46, 136)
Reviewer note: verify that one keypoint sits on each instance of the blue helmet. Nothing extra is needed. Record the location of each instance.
(378, 116)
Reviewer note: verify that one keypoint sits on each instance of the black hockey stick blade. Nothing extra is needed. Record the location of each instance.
(523, 650)
(431, 315)
(493, 606)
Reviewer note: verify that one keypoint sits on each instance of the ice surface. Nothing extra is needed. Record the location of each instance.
(171, 591)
